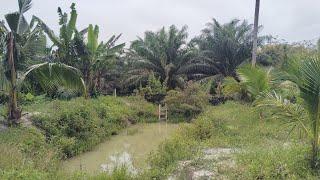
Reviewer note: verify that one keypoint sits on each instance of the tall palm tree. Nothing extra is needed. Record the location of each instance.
(255, 33)
(222, 48)
(164, 53)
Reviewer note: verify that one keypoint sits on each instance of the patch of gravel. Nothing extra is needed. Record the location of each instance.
(201, 174)
(210, 166)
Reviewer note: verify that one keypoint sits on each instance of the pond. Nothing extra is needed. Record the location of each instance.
(130, 148)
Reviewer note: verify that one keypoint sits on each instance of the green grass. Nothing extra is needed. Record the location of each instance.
(25, 154)
(267, 149)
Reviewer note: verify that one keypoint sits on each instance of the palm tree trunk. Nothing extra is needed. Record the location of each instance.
(315, 140)
(255, 33)
(14, 112)
(315, 144)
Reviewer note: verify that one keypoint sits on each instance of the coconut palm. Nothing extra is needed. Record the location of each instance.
(223, 47)
(164, 53)
(255, 33)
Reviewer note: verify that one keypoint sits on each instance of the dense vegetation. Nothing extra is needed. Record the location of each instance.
(61, 132)
(54, 100)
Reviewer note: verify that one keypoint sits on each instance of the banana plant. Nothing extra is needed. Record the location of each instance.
(18, 30)
(25, 42)
(96, 58)
(65, 52)
(90, 56)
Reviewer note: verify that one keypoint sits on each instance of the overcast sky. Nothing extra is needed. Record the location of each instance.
(293, 20)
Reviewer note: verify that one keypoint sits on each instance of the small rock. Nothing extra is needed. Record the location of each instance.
(216, 153)
(3, 127)
(201, 174)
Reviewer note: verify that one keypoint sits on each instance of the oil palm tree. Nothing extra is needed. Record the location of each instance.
(222, 48)
(164, 53)
(23, 42)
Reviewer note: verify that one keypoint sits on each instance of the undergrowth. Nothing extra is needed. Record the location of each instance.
(267, 149)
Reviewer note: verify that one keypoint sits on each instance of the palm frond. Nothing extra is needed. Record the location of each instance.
(53, 75)
(282, 109)
(256, 79)
(17, 22)
(92, 43)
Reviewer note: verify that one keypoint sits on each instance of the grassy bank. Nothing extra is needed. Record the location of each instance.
(62, 129)
(267, 149)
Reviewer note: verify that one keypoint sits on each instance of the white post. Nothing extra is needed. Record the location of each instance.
(115, 92)
(159, 112)
(166, 112)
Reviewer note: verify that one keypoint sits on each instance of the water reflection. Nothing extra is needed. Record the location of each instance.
(120, 160)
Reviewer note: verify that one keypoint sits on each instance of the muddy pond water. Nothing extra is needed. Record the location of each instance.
(130, 148)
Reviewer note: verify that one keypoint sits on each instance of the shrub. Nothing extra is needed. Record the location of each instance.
(3, 97)
(28, 99)
(145, 112)
(154, 91)
(253, 82)
(187, 103)
(165, 160)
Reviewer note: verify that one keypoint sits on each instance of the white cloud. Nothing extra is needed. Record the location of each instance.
(293, 20)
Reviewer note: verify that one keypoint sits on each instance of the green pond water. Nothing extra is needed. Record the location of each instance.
(130, 148)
